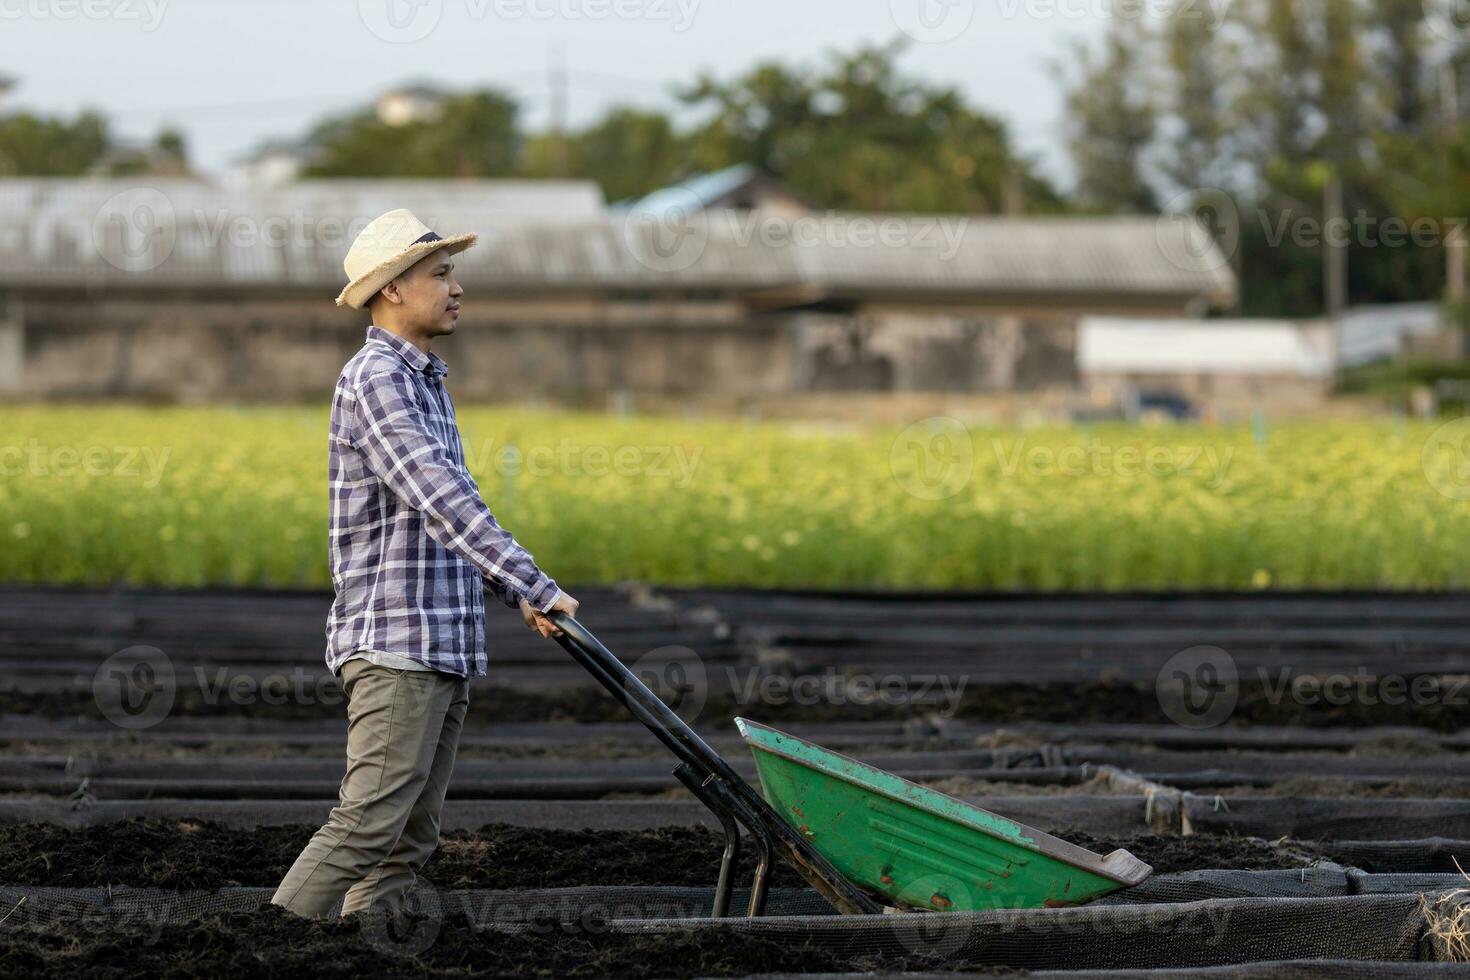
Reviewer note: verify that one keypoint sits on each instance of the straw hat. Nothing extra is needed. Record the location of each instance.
(389, 244)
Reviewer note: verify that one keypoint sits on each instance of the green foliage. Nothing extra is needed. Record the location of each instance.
(1395, 383)
(51, 147)
(1396, 379)
(859, 134)
(1111, 118)
(630, 152)
(474, 135)
(855, 133)
(167, 155)
(212, 496)
(1268, 103)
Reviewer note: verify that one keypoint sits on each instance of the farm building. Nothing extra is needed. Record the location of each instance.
(1231, 364)
(175, 289)
(1385, 331)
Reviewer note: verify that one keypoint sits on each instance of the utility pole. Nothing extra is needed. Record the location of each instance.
(1013, 199)
(1454, 264)
(1449, 98)
(557, 83)
(1335, 255)
(1454, 243)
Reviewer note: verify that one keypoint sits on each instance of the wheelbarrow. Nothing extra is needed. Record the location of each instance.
(857, 834)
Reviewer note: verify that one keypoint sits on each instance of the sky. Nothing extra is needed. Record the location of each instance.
(233, 73)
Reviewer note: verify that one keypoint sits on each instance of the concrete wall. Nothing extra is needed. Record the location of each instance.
(290, 350)
(1234, 396)
(892, 350)
(180, 351)
(578, 352)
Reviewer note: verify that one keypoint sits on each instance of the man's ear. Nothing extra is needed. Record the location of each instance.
(392, 292)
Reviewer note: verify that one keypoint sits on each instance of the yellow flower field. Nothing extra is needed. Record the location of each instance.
(193, 497)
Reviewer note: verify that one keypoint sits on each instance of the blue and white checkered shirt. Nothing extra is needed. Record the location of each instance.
(412, 544)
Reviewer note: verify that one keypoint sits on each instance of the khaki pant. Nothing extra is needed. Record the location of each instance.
(402, 731)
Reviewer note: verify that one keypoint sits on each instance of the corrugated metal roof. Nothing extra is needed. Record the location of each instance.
(1375, 332)
(553, 236)
(696, 193)
(1039, 254)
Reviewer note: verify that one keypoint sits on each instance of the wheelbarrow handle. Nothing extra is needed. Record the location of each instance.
(634, 695)
(689, 748)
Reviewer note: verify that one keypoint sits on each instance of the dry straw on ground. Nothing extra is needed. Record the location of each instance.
(1447, 922)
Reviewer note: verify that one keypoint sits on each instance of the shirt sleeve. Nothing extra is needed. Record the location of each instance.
(505, 595)
(393, 437)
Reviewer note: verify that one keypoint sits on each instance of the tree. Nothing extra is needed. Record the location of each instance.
(1274, 104)
(167, 155)
(1111, 120)
(1401, 67)
(854, 133)
(1200, 57)
(629, 152)
(51, 147)
(474, 135)
(860, 135)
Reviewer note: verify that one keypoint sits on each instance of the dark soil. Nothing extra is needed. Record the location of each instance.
(1196, 852)
(270, 942)
(502, 705)
(1337, 788)
(1103, 702)
(1081, 703)
(198, 854)
(156, 853)
(201, 854)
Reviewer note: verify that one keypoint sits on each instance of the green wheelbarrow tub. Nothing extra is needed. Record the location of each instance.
(919, 847)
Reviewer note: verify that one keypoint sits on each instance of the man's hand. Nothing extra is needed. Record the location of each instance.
(541, 623)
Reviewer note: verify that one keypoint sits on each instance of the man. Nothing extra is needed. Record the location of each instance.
(412, 548)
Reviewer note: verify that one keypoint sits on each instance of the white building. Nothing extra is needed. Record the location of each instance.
(1228, 365)
(1385, 331)
(410, 104)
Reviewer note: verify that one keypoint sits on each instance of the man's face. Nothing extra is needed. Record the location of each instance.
(428, 295)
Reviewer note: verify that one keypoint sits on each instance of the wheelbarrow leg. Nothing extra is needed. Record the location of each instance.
(765, 846)
(722, 805)
(757, 814)
(702, 792)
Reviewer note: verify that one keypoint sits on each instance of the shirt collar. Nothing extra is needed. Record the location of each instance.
(430, 363)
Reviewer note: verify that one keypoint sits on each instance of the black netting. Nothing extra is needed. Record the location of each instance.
(486, 907)
(1273, 970)
(491, 906)
(1386, 927)
(1099, 816)
(1137, 935)
(1327, 819)
(1325, 880)
(1430, 854)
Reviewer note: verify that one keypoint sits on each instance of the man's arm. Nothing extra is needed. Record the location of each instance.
(501, 593)
(393, 437)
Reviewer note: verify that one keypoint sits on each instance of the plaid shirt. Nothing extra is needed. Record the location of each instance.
(412, 544)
